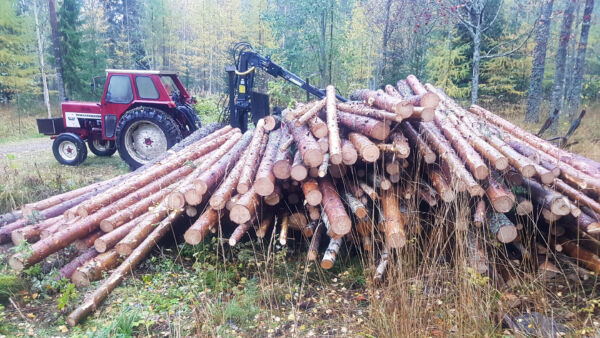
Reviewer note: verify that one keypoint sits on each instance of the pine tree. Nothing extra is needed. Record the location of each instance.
(17, 60)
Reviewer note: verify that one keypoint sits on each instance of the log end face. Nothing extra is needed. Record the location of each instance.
(193, 237)
(430, 100)
(528, 170)
(312, 158)
(503, 204)
(561, 207)
(106, 225)
(326, 264)
(193, 197)
(80, 279)
(501, 163)
(336, 158)
(341, 225)
(507, 234)
(123, 249)
(427, 114)
(100, 245)
(239, 214)
(176, 200)
(264, 186)
(299, 173)
(370, 153)
(314, 197)
(17, 262)
(481, 172)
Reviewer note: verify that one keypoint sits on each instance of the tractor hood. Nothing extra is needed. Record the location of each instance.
(80, 107)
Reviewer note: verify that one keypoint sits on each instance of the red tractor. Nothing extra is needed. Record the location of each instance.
(142, 113)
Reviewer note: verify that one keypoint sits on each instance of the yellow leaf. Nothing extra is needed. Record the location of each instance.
(30, 315)
(34, 296)
(63, 329)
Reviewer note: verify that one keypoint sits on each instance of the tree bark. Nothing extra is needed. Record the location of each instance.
(245, 208)
(535, 96)
(265, 180)
(367, 150)
(298, 171)
(358, 108)
(381, 100)
(110, 239)
(575, 95)
(395, 236)
(417, 142)
(93, 268)
(558, 88)
(307, 146)
(422, 97)
(310, 188)
(255, 150)
(365, 125)
(57, 51)
(200, 229)
(335, 143)
(334, 208)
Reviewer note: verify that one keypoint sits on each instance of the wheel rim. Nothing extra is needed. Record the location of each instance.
(68, 150)
(101, 145)
(144, 141)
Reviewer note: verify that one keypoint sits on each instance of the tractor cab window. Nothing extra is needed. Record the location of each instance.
(119, 89)
(169, 85)
(146, 88)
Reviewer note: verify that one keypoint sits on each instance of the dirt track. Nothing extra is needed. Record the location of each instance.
(26, 146)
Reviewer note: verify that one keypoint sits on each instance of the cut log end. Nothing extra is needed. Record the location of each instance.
(239, 214)
(312, 158)
(243, 188)
(176, 200)
(503, 204)
(481, 172)
(528, 170)
(193, 197)
(561, 207)
(264, 186)
(80, 279)
(370, 153)
(430, 100)
(501, 163)
(106, 225)
(16, 262)
(507, 234)
(325, 264)
(299, 172)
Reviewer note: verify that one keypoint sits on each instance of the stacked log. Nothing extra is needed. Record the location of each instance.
(338, 173)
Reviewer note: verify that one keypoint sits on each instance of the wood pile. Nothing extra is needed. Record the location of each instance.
(337, 174)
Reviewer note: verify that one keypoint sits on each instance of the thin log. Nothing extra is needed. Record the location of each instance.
(200, 229)
(334, 208)
(110, 239)
(298, 171)
(284, 230)
(479, 214)
(307, 146)
(358, 108)
(395, 236)
(331, 253)
(311, 191)
(314, 213)
(501, 199)
(272, 122)
(313, 248)
(245, 208)
(417, 142)
(88, 241)
(440, 185)
(312, 112)
(238, 233)
(501, 227)
(264, 183)
(335, 143)
(365, 125)
(524, 206)
(68, 270)
(381, 100)
(318, 127)
(422, 97)
(92, 270)
(227, 189)
(588, 258)
(366, 149)
(253, 153)
(265, 224)
(356, 206)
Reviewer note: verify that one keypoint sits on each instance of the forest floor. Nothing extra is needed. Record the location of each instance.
(259, 288)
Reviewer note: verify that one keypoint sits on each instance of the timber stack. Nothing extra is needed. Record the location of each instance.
(369, 173)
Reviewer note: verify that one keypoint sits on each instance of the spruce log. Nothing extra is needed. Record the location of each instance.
(501, 227)
(307, 146)
(171, 163)
(254, 153)
(92, 269)
(394, 220)
(298, 111)
(274, 198)
(200, 229)
(417, 142)
(31, 233)
(501, 199)
(282, 166)
(404, 89)
(479, 214)
(272, 122)
(367, 149)
(359, 108)
(88, 241)
(584, 222)
(284, 230)
(110, 239)
(311, 191)
(264, 183)
(334, 208)
(245, 207)
(365, 125)
(524, 206)
(349, 152)
(211, 177)
(588, 258)
(425, 114)
(93, 300)
(335, 143)
(297, 221)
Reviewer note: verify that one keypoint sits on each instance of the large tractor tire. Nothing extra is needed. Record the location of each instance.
(69, 149)
(144, 133)
(103, 148)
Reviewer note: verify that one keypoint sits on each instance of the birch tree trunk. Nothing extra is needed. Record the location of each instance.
(40, 46)
(575, 95)
(57, 50)
(534, 99)
(561, 58)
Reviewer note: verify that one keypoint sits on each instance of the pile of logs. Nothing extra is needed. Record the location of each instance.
(330, 172)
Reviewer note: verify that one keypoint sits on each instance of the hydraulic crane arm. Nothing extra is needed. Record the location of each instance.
(241, 82)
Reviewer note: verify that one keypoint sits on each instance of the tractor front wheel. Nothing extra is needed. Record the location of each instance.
(144, 133)
(104, 148)
(69, 149)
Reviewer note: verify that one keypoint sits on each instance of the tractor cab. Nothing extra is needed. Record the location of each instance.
(142, 113)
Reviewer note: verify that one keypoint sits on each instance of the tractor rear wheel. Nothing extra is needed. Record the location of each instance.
(69, 149)
(144, 133)
(104, 148)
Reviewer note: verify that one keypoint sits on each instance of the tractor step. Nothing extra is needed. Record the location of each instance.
(52, 126)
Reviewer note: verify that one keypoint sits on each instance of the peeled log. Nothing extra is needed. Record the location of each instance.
(335, 143)
(501, 199)
(92, 269)
(365, 125)
(198, 231)
(265, 224)
(254, 152)
(359, 108)
(209, 178)
(417, 142)
(501, 227)
(264, 183)
(394, 220)
(307, 146)
(367, 149)
(310, 188)
(334, 208)
(245, 208)
(110, 239)
(383, 101)
(298, 171)
(92, 301)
